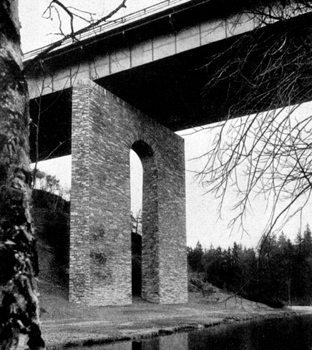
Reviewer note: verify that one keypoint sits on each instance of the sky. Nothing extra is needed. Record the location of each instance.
(37, 30)
(203, 220)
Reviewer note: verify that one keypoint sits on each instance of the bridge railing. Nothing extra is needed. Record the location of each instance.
(110, 25)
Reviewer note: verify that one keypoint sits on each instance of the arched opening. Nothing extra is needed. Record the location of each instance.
(136, 190)
(100, 239)
(150, 239)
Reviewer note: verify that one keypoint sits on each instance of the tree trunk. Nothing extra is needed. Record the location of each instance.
(19, 309)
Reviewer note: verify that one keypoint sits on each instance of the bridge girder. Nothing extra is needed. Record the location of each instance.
(171, 90)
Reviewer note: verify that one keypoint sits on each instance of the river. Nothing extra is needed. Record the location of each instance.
(287, 333)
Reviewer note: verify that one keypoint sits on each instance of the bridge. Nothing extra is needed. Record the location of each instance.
(129, 84)
(151, 59)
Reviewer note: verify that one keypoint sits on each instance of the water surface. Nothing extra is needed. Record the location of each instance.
(288, 333)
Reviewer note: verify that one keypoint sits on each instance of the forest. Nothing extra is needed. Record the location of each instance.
(278, 273)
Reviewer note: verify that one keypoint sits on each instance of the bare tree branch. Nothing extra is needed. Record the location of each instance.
(266, 154)
(73, 35)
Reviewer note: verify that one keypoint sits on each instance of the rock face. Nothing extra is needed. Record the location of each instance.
(104, 129)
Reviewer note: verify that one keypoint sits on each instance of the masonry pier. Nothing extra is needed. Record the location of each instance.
(104, 129)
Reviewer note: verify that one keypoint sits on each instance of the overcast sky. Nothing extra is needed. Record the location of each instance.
(203, 222)
(38, 31)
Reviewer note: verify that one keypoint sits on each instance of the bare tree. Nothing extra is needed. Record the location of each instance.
(136, 221)
(19, 306)
(267, 72)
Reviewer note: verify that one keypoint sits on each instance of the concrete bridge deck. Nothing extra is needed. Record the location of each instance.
(160, 31)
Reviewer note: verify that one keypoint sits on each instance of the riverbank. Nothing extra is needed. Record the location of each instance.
(65, 324)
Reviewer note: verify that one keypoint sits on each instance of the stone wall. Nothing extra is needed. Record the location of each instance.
(104, 129)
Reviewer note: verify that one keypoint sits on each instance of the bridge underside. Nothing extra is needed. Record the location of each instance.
(202, 85)
(173, 90)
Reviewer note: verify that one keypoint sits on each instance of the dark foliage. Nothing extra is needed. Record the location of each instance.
(280, 273)
(136, 248)
(52, 222)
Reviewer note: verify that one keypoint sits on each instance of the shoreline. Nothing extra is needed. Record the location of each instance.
(141, 320)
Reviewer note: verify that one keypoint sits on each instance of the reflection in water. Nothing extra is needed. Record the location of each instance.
(276, 334)
(173, 342)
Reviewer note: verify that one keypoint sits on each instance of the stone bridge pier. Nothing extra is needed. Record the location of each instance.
(104, 129)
